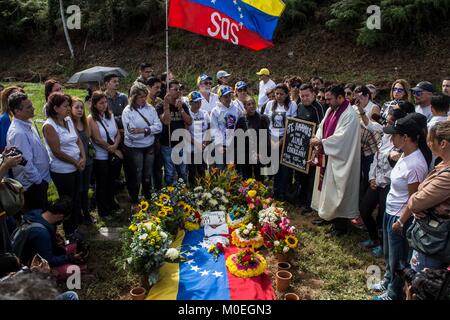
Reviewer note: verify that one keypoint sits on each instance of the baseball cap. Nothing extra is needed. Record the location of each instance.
(224, 90)
(194, 96)
(240, 85)
(263, 72)
(406, 125)
(222, 74)
(423, 86)
(203, 77)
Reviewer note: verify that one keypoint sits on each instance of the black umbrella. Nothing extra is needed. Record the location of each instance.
(96, 74)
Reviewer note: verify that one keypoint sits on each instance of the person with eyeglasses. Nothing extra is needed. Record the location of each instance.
(222, 80)
(240, 92)
(422, 93)
(209, 99)
(320, 98)
(251, 120)
(174, 114)
(400, 91)
(294, 88)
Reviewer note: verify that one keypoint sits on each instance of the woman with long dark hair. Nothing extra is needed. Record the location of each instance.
(107, 161)
(278, 111)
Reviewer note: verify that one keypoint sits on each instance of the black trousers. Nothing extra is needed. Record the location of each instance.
(251, 171)
(105, 187)
(305, 186)
(85, 180)
(36, 197)
(68, 184)
(370, 201)
(366, 161)
(340, 224)
(158, 164)
(196, 170)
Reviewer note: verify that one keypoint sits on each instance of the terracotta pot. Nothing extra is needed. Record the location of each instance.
(283, 280)
(138, 293)
(282, 257)
(291, 296)
(283, 266)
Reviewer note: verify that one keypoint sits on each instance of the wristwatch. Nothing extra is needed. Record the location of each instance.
(146, 131)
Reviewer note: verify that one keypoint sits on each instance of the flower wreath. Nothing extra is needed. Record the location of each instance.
(246, 264)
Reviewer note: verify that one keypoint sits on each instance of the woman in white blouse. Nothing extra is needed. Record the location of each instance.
(141, 123)
(66, 153)
(107, 161)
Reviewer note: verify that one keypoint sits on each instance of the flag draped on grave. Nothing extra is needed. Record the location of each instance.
(248, 23)
(203, 278)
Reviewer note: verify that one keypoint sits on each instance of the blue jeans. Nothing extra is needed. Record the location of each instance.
(396, 256)
(170, 168)
(420, 261)
(68, 295)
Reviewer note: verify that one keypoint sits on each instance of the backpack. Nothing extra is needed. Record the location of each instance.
(20, 236)
(11, 196)
(431, 235)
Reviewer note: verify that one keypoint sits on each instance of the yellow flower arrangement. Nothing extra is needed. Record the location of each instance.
(251, 193)
(291, 241)
(162, 214)
(238, 269)
(238, 241)
(144, 205)
(164, 198)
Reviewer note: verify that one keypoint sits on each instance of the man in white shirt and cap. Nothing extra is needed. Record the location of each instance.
(222, 79)
(265, 84)
(422, 93)
(209, 99)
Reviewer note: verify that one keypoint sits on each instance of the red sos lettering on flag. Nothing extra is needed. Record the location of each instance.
(223, 26)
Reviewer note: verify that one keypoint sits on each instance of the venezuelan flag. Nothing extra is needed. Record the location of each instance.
(248, 23)
(203, 278)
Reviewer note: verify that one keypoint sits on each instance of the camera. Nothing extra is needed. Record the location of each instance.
(13, 152)
(407, 274)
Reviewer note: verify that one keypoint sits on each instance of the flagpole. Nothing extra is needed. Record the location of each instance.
(167, 41)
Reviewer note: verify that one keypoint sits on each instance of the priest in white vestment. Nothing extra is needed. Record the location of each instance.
(337, 143)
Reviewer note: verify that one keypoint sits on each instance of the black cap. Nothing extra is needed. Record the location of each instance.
(407, 125)
(423, 86)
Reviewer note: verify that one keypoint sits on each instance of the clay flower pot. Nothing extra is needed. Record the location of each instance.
(138, 293)
(283, 266)
(291, 296)
(283, 280)
(282, 257)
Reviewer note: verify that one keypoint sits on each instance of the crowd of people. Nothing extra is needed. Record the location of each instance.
(394, 157)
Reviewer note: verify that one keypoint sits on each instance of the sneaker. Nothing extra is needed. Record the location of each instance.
(377, 251)
(378, 287)
(383, 296)
(369, 244)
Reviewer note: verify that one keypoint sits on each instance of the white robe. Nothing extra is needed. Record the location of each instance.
(340, 188)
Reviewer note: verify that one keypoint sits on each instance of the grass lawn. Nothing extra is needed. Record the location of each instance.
(323, 268)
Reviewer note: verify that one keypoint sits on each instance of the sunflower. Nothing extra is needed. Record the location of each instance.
(167, 209)
(164, 197)
(162, 214)
(291, 241)
(251, 193)
(159, 204)
(181, 204)
(170, 189)
(144, 205)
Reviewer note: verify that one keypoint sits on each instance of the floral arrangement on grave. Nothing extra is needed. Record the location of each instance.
(145, 248)
(214, 200)
(247, 236)
(246, 264)
(276, 230)
(216, 250)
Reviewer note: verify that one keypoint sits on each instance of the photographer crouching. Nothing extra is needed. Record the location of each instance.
(428, 284)
(37, 235)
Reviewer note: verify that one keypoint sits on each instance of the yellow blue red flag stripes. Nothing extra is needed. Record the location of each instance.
(248, 23)
(203, 278)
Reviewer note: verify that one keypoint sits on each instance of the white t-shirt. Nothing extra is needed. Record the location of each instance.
(239, 105)
(200, 123)
(209, 105)
(110, 125)
(278, 117)
(436, 119)
(263, 87)
(426, 111)
(407, 170)
(68, 138)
